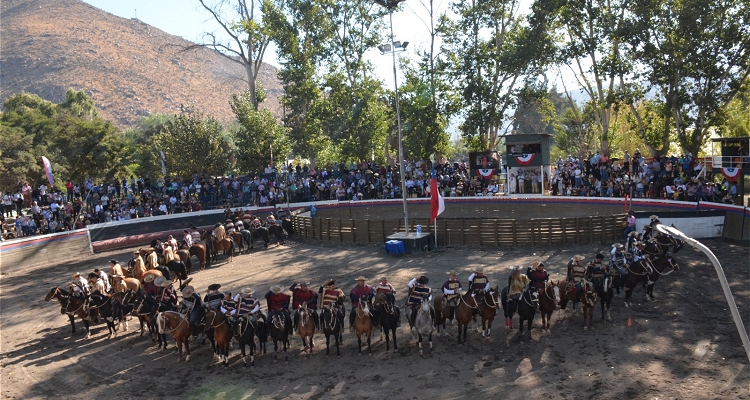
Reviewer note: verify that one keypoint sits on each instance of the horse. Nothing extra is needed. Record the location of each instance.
(363, 325)
(199, 251)
(639, 272)
(306, 329)
(491, 303)
(525, 307)
(386, 316)
(132, 284)
(549, 298)
(179, 269)
(106, 307)
(184, 256)
(286, 223)
(607, 292)
(222, 334)
(226, 245)
(331, 322)
(279, 331)
(424, 324)
(145, 308)
(464, 313)
(72, 306)
(262, 332)
(258, 233)
(279, 232)
(127, 305)
(238, 240)
(588, 301)
(179, 326)
(244, 330)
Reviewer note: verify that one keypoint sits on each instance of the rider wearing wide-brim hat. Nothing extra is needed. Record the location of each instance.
(478, 282)
(79, 287)
(166, 294)
(333, 298)
(214, 297)
(596, 270)
(247, 304)
(301, 294)
(360, 293)
(538, 275)
(418, 292)
(576, 274)
(278, 304)
(193, 305)
(451, 292)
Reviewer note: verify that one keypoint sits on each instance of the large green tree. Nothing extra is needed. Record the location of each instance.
(258, 134)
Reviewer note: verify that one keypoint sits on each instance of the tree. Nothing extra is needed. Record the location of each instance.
(18, 159)
(494, 66)
(193, 142)
(248, 34)
(259, 133)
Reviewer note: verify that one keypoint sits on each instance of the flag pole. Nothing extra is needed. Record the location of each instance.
(435, 226)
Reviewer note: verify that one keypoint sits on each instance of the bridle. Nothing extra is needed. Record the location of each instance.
(494, 304)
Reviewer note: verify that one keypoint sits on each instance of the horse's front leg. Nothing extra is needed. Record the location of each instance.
(73, 324)
(419, 343)
(395, 346)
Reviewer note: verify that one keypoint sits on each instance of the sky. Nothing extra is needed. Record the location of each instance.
(188, 19)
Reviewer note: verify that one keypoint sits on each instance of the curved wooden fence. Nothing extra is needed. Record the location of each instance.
(482, 232)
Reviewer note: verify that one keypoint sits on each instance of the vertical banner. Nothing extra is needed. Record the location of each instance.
(163, 166)
(48, 171)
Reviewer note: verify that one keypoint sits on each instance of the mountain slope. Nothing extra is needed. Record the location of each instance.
(130, 69)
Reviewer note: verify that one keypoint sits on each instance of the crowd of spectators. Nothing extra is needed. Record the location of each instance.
(40, 210)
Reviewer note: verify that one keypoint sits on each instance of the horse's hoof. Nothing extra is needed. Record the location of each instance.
(585, 328)
(609, 319)
(626, 305)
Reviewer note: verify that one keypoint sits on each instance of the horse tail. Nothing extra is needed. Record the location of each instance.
(160, 322)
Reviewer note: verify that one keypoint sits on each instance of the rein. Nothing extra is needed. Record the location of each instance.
(182, 321)
(494, 304)
(475, 306)
(669, 260)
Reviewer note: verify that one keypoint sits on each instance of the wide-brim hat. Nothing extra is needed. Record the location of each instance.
(423, 280)
(578, 257)
(113, 261)
(159, 281)
(452, 273)
(329, 282)
(214, 286)
(248, 291)
(479, 270)
(149, 277)
(654, 217)
(618, 245)
(188, 291)
(276, 288)
(360, 278)
(599, 255)
(304, 283)
(76, 275)
(535, 264)
(383, 278)
(640, 243)
(93, 275)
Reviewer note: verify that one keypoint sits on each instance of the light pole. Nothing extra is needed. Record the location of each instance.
(391, 47)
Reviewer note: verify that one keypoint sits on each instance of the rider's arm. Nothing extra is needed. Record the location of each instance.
(412, 282)
(256, 308)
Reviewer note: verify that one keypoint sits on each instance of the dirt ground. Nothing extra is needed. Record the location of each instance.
(683, 345)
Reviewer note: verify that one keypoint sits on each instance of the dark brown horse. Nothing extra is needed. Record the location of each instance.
(386, 316)
(279, 330)
(549, 298)
(331, 320)
(491, 303)
(226, 245)
(184, 256)
(72, 306)
(239, 242)
(179, 326)
(279, 232)
(363, 325)
(244, 330)
(467, 304)
(588, 301)
(646, 270)
(306, 329)
(199, 251)
(222, 334)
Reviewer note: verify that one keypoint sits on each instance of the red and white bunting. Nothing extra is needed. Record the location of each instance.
(731, 173)
(486, 173)
(525, 159)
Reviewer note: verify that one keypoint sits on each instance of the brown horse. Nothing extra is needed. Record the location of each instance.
(386, 316)
(184, 256)
(226, 245)
(306, 329)
(588, 300)
(363, 325)
(464, 312)
(132, 284)
(222, 334)
(279, 330)
(639, 272)
(179, 327)
(549, 298)
(237, 238)
(199, 251)
(71, 306)
(491, 303)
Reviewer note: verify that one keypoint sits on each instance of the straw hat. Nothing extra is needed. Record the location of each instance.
(360, 278)
(479, 270)
(149, 277)
(383, 278)
(329, 282)
(248, 292)
(160, 281)
(77, 275)
(618, 245)
(578, 257)
(276, 289)
(188, 291)
(535, 264)
(653, 217)
(452, 273)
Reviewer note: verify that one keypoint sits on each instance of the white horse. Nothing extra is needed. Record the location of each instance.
(424, 323)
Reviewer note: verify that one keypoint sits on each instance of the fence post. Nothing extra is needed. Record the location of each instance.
(367, 226)
(354, 232)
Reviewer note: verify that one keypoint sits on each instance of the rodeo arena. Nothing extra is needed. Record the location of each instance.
(513, 293)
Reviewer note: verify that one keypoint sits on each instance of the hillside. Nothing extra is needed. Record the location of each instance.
(130, 69)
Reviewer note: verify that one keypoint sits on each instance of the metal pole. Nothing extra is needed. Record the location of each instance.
(398, 121)
(722, 279)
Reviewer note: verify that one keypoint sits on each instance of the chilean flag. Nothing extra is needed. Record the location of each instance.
(437, 204)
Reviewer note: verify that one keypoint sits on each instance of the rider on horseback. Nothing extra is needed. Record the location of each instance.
(192, 304)
(229, 227)
(358, 294)
(248, 305)
(390, 294)
(228, 306)
(270, 220)
(596, 272)
(238, 225)
(576, 274)
(255, 223)
(451, 292)
(303, 295)
(166, 295)
(517, 283)
(638, 255)
(538, 276)
(418, 292)
(333, 298)
(278, 304)
(79, 287)
(478, 282)
(648, 230)
(219, 232)
(214, 297)
(618, 261)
